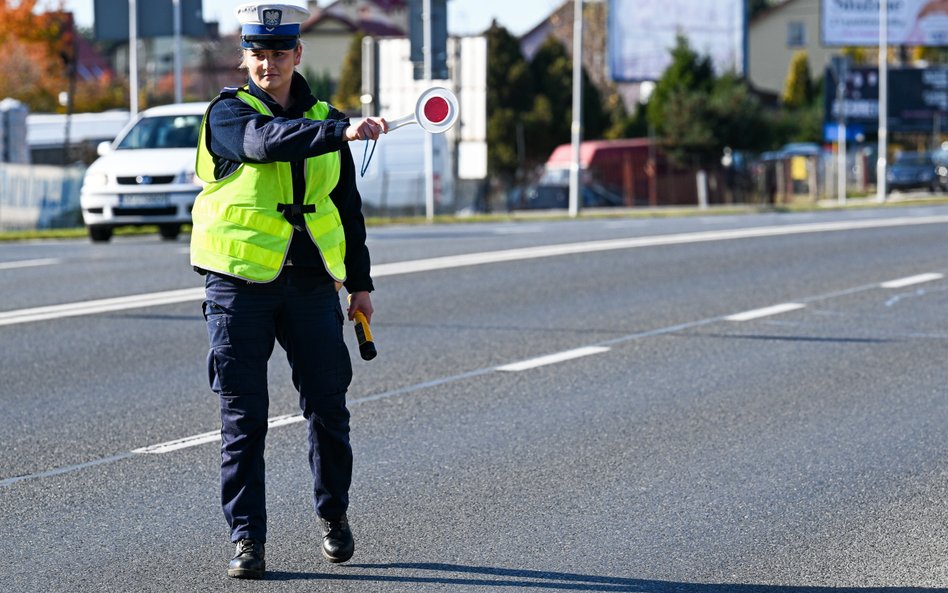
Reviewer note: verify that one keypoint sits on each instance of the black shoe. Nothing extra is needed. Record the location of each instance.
(337, 543)
(248, 561)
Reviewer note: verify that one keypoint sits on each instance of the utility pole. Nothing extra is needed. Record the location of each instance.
(883, 99)
(575, 183)
(178, 94)
(133, 57)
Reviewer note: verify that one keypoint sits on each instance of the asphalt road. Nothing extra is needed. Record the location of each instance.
(684, 435)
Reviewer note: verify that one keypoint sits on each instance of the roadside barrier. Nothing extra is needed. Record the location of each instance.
(39, 196)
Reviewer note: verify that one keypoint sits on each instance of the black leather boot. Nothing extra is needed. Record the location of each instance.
(337, 544)
(248, 561)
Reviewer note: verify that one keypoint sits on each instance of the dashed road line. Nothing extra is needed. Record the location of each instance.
(28, 263)
(765, 312)
(540, 361)
(912, 280)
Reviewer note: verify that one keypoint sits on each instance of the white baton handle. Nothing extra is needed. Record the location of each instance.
(402, 121)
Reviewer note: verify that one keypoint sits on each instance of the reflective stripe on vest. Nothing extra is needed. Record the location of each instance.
(238, 229)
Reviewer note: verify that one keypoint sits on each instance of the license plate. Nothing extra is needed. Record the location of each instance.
(143, 200)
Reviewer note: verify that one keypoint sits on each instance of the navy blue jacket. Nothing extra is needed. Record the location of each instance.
(239, 133)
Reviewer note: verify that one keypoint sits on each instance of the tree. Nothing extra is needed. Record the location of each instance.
(739, 118)
(688, 72)
(678, 107)
(552, 71)
(797, 89)
(349, 92)
(510, 96)
(35, 73)
(696, 114)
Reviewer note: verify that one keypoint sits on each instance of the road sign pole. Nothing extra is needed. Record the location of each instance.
(429, 144)
(883, 99)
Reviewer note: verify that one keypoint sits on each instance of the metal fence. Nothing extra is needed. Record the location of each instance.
(39, 196)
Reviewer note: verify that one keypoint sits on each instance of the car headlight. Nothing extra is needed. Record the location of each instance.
(189, 178)
(95, 180)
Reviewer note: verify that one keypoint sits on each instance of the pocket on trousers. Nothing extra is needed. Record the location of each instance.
(218, 334)
(218, 324)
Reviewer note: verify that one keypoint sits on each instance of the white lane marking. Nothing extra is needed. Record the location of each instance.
(100, 306)
(408, 389)
(552, 358)
(765, 312)
(507, 255)
(470, 259)
(215, 435)
(910, 280)
(210, 437)
(28, 263)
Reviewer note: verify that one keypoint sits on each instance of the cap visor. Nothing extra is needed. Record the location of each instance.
(271, 43)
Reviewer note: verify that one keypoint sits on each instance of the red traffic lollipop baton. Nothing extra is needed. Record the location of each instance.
(436, 111)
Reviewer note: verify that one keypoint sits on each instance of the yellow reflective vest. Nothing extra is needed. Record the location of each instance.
(238, 224)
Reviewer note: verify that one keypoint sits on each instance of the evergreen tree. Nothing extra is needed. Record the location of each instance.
(510, 96)
(552, 71)
(349, 90)
(696, 115)
(797, 89)
(687, 73)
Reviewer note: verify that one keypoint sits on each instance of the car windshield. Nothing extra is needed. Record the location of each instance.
(913, 160)
(166, 131)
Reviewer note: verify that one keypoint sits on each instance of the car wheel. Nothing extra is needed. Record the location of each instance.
(169, 232)
(100, 234)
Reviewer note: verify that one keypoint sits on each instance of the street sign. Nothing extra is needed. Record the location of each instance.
(439, 38)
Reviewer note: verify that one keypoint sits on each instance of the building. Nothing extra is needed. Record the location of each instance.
(776, 34)
(328, 33)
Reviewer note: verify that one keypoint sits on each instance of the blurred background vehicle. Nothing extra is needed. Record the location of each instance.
(912, 170)
(146, 176)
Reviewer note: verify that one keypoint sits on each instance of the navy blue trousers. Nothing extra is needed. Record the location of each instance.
(301, 311)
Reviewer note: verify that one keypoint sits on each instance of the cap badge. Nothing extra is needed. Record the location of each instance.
(272, 18)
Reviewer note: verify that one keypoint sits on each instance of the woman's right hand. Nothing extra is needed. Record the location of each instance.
(369, 128)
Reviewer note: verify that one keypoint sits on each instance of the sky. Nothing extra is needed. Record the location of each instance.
(464, 16)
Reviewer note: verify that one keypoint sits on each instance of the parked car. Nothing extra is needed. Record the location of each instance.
(941, 168)
(912, 170)
(146, 175)
(549, 195)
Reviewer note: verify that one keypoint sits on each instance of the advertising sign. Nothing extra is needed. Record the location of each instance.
(911, 22)
(642, 34)
(155, 19)
(919, 105)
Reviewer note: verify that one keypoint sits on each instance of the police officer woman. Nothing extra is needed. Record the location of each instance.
(277, 231)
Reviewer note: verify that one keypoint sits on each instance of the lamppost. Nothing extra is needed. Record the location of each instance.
(575, 183)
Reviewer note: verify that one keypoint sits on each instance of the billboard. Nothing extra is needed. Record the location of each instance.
(911, 22)
(155, 19)
(642, 34)
(919, 105)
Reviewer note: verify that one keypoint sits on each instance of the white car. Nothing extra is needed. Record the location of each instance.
(146, 175)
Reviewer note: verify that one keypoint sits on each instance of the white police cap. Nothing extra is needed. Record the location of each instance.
(270, 26)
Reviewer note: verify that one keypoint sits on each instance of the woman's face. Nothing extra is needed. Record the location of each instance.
(272, 69)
